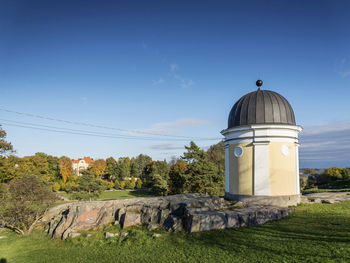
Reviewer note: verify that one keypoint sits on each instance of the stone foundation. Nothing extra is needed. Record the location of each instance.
(251, 200)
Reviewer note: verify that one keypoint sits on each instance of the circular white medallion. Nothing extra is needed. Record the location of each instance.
(238, 151)
(285, 149)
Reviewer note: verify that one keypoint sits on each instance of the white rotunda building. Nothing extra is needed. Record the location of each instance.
(261, 150)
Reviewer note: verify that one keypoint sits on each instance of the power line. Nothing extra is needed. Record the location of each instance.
(83, 132)
(105, 127)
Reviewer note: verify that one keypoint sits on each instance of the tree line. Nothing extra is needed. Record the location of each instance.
(196, 171)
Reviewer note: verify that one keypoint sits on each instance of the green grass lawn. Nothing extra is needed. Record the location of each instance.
(314, 233)
(107, 195)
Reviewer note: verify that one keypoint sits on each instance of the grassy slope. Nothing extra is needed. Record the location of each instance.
(315, 233)
(106, 195)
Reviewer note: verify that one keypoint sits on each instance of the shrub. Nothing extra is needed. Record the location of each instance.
(138, 184)
(69, 186)
(323, 178)
(108, 185)
(127, 184)
(116, 184)
(56, 187)
(132, 183)
(122, 185)
(303, 182)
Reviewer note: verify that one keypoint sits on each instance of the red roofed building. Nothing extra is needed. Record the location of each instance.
(81, 164)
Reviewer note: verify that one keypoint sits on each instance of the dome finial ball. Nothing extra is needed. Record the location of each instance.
(259, 83)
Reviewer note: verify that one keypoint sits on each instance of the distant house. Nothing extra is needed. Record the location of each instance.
(81, 164)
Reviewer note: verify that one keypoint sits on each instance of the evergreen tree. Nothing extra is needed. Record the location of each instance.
(202, 175)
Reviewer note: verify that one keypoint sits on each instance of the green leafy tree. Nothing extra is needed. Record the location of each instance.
(346, 174)
(123, 168)
(334, 173)
(89, 187)
(5, 147)
(134, 168)
(9, 168)
(28, 197)
(142, 161)
(111, 168)
(138, 184)
(177, 177)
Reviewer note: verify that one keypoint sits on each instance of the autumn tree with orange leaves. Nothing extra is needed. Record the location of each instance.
(65, 168)
(99, 167)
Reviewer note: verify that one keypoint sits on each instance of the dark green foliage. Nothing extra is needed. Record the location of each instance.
(134, 168)
(89, 187)
(123, 168)
(177, 177)
(216, 155)
(202, 175)
(155, 167)
(142, 160)
(111, 168)
(159, 185)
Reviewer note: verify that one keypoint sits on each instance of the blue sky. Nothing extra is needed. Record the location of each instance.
(173, 68)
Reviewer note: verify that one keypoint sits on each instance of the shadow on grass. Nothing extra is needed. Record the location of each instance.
(299, 237)
(3, 260)
(141, 193)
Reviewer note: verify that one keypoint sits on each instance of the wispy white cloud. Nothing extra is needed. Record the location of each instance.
(159, 81)
(171, 127)
(326, 145)
(183, 123)
(166, 146)
(344, 68)
(184, 83)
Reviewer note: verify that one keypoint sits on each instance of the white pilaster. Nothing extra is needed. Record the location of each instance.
(227, 169)
(297, 168)
(261, 178)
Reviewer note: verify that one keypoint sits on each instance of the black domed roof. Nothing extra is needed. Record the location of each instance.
(261, 107)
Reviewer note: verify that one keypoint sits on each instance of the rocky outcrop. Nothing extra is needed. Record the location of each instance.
(326, 197)
(191, 212)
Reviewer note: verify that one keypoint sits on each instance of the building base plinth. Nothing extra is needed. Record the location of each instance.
(279, 200)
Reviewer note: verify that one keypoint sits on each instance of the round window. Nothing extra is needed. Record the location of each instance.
(238, 151)
(285, 149)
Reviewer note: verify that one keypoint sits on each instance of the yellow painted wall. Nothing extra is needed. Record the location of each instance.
(241, 170)
(282, 169)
